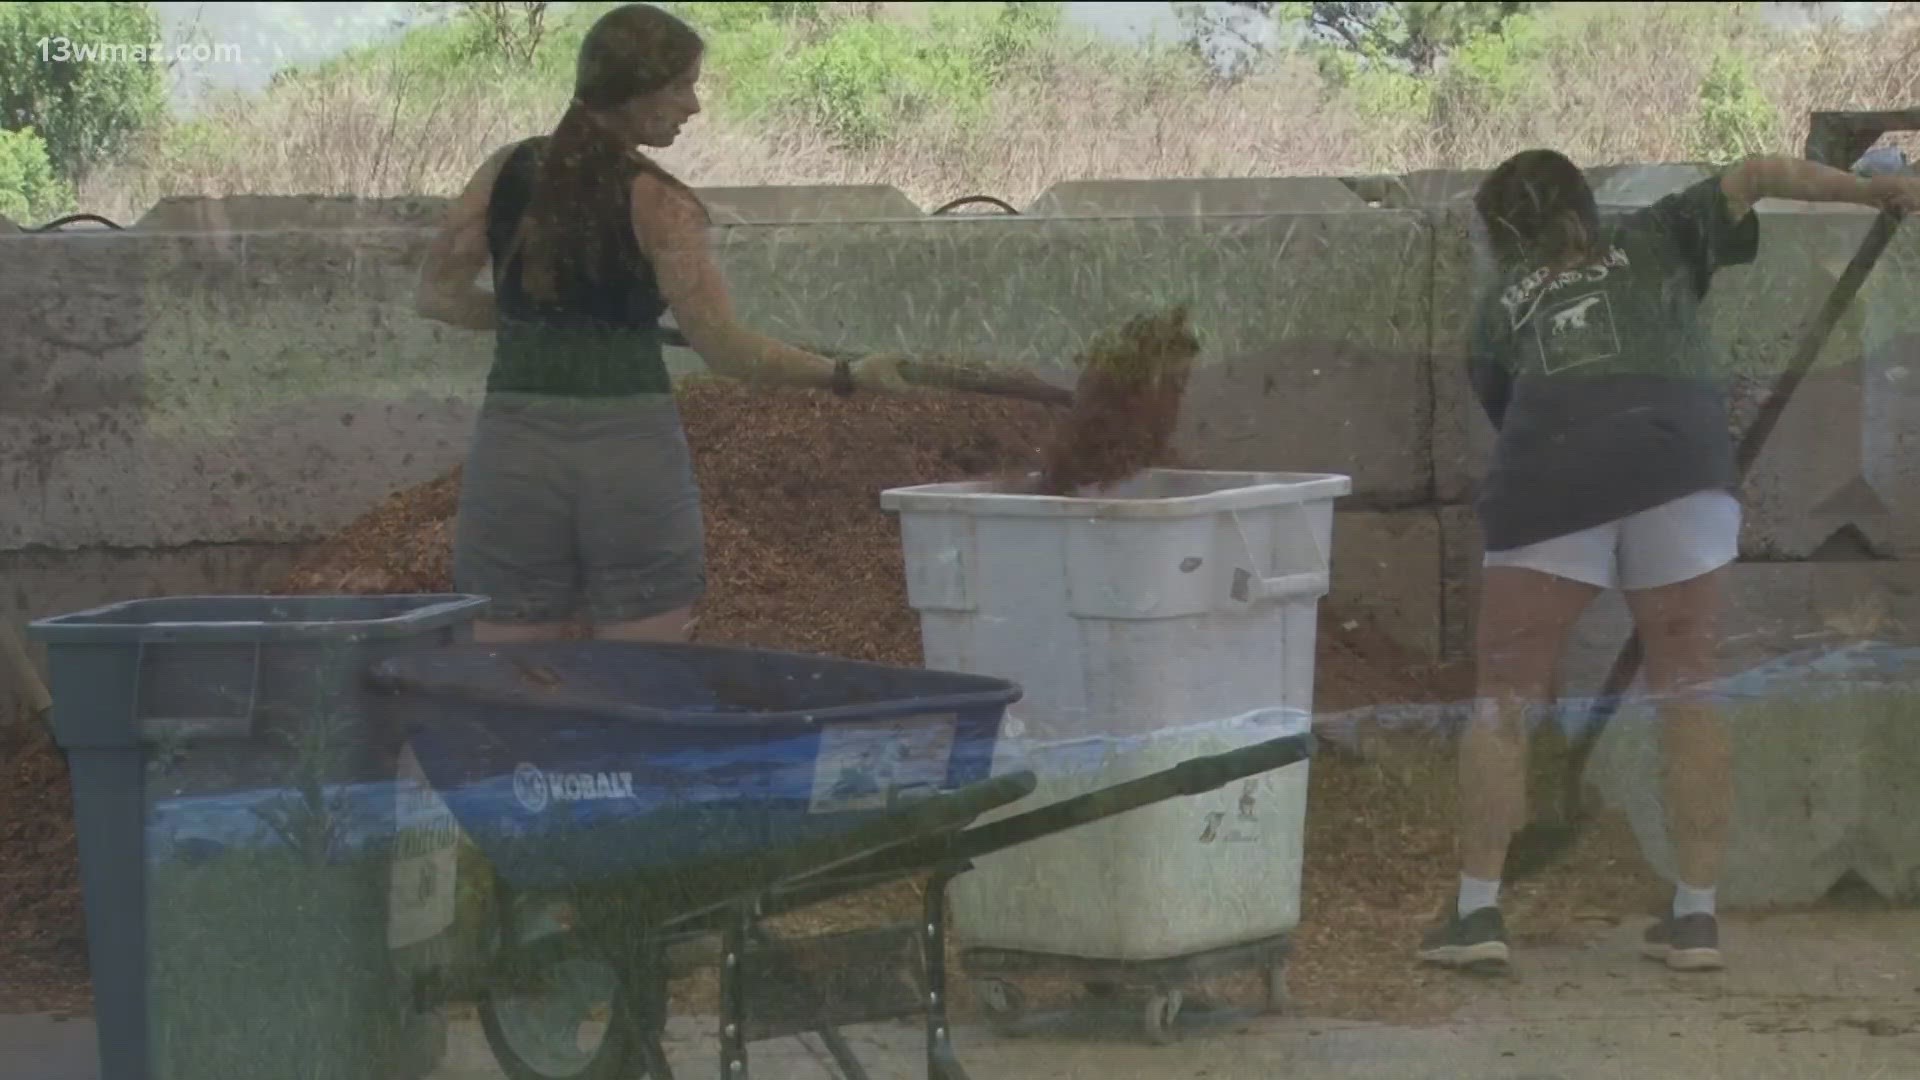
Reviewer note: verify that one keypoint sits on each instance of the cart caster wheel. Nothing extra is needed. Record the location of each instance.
(1279, 998)
(568, 1019)
(1002, 1001)
(1163, 1013)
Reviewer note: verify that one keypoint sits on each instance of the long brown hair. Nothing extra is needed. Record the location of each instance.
(584, 171)
(1531, 204)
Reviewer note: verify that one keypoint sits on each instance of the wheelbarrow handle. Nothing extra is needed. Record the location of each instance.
(1194, 777)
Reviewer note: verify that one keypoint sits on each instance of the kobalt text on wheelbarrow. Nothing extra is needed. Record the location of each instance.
(654, 792)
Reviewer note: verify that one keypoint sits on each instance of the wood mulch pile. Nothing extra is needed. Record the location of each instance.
(43, 947)
(802, 557)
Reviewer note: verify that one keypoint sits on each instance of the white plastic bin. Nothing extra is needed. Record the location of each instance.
(1171, 612)
(1176, 878)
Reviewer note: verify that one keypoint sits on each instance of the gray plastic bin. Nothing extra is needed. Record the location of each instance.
(271, 958)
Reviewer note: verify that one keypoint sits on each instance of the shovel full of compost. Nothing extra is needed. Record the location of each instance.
(1125, 404)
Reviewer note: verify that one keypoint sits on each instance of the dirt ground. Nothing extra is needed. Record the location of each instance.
(801, 557)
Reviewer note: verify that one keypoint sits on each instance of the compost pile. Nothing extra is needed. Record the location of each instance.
(800, 554)
(43, 950)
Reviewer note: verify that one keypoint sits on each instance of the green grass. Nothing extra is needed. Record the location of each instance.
(269, 969)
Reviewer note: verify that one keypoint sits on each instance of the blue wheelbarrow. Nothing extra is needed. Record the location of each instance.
(632, 796)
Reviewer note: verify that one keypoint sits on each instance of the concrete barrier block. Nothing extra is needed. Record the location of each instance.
(1809, 481)
(1633, 186)
(274, 213)
(193, 263)
(73, 314)
(300, 262)
(1387, 570)
(1888, 840)
(45, 582)
(1433, 189)
(1461, 553)
(1890, 378)
(298, 472)
(1319, 382)
(797, 203)
(1797, 797)
(328, 264)
(1195, 196)
(260, 424)
(216, 360)
(1825, 752)
(1313, 326)
(1462, 436)
(71, 479)
(1818, 472)
(1770, 609)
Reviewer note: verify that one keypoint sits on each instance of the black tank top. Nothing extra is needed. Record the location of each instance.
(600, 337)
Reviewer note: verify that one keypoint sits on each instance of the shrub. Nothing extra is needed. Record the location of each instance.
(1734, 117)
(86, 110)
(861, 79)
(30, 191)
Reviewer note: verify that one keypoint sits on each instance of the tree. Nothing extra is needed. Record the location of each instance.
(1416, 36)
(512, 31)
(84, 108)
(1227, 43)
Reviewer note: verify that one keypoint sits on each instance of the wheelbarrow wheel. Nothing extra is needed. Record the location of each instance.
(1279, 998)
(1002, 1001)
(1162, 1016)
(535, 1014)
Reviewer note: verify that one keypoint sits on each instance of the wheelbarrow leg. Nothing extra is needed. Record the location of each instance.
(941, 1062)
(733, 996)
(644, 984)
(836, 1044)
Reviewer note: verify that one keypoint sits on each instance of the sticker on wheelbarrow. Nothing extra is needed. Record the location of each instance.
(420, 897)
(866, 766)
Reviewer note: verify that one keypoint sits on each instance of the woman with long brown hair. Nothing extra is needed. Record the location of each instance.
(578, 495)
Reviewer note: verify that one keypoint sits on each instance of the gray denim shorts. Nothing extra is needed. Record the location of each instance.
(573, 507)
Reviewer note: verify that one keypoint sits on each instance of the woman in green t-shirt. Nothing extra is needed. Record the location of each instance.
(1612, 469)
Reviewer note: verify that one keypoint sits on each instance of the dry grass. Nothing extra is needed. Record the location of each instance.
(1621, 87)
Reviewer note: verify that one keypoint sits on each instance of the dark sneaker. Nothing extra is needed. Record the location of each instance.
(1476, 942)
(1690, 943)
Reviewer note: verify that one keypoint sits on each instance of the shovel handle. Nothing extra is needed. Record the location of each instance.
(22, 674)
(972, 377)
(975, 378)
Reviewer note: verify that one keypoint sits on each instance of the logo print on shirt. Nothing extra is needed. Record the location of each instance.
(1526, 295)
(1577, 333)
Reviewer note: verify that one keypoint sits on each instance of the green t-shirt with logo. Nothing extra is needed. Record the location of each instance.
(1602, 381)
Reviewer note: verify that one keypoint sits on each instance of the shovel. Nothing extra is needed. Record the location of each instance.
(945, 373)
(20, 672)
(1540, 844)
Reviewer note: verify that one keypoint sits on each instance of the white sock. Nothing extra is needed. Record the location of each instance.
(1476, 894)
(1690, 901)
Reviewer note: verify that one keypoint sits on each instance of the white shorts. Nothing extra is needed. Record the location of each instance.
(1663, 546)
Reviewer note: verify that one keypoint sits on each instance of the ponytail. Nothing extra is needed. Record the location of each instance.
(578, 179)
(580, 187)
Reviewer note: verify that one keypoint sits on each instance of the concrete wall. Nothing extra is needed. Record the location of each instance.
(247, 373)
